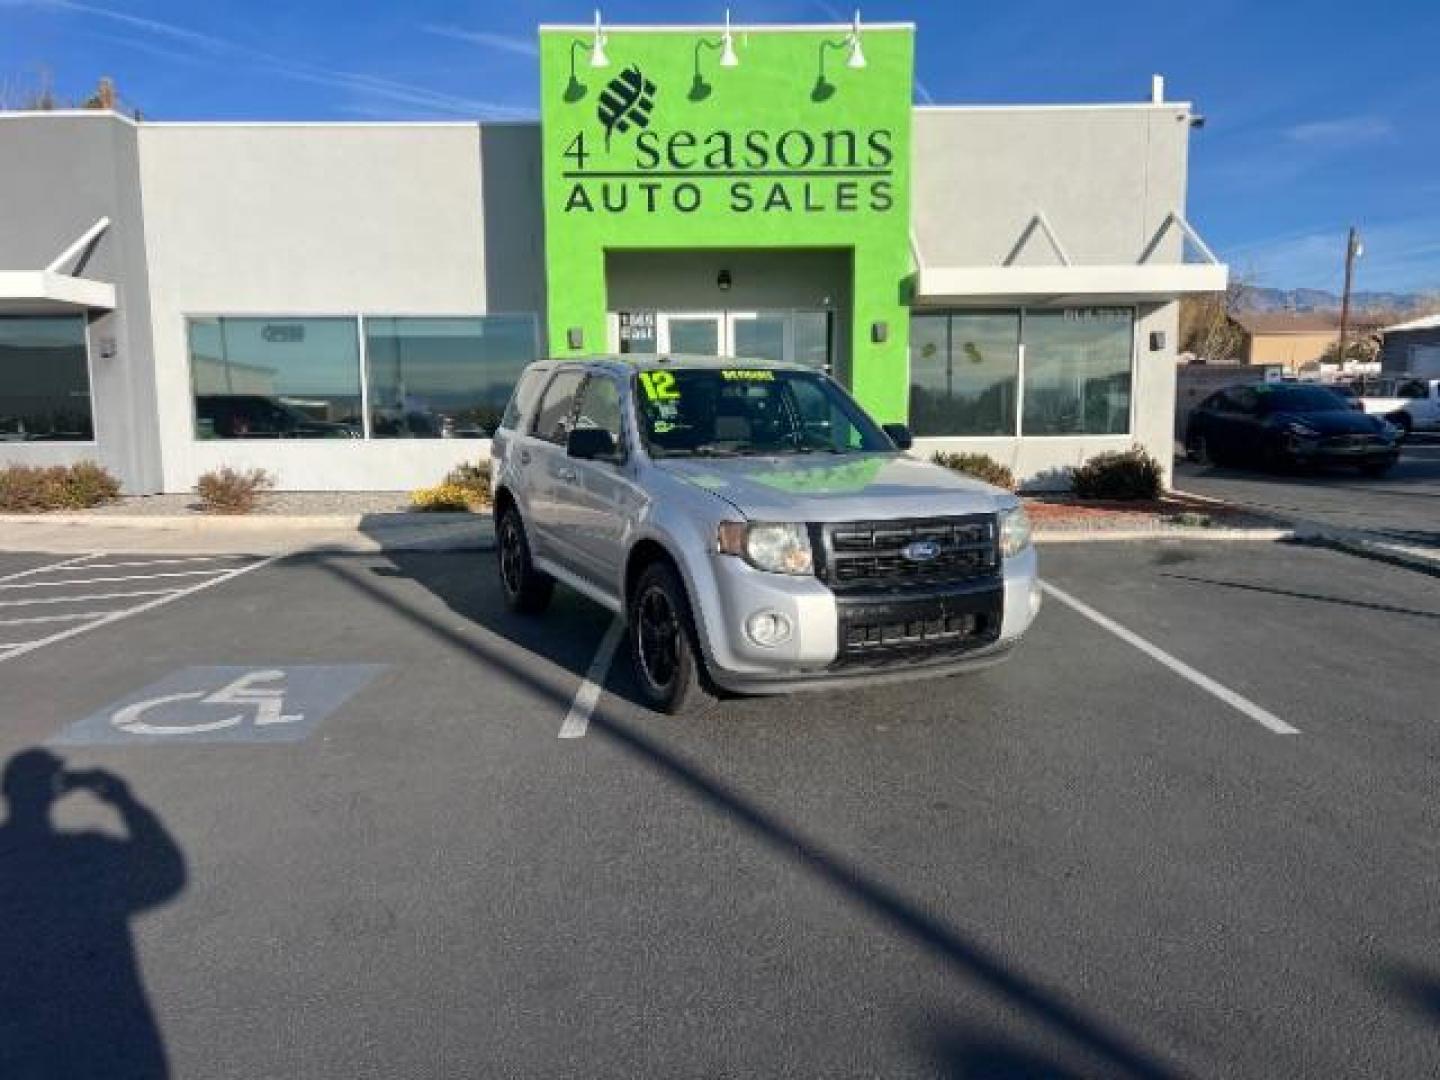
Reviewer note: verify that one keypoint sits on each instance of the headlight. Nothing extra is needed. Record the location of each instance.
(1301, 431)
(779, 547)
(1014, 531)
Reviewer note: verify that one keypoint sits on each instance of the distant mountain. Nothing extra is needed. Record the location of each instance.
(1258, 298)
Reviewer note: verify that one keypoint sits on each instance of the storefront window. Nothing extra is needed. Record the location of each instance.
(444, 378)
(1077, 371)
(282, 378)
(963, 369)
(44, 379)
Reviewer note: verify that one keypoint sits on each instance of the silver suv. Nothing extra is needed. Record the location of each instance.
(755, 529)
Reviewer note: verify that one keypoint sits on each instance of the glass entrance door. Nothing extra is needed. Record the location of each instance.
(791, 336)
(697, 333)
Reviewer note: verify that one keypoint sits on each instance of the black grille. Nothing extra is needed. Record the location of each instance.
(916, 552)
(1350, 442)
(928, 628)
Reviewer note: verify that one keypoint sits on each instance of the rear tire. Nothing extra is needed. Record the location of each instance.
(526, 590)
(662, 640)
(1377, 468)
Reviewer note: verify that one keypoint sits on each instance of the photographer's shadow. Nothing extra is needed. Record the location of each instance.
(72, 1003)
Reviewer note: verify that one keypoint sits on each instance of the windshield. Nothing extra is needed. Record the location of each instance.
(1301, 399)
(711, 412)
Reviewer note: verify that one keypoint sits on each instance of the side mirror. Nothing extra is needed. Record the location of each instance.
(899, 435)
(591, 444)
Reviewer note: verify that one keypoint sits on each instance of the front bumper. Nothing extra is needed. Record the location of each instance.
(848, 639)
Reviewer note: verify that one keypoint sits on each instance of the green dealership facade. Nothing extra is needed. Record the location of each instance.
(347, 305)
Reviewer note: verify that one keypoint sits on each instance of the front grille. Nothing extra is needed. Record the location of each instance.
(1350, 442)
(880, 555)
(876, 634)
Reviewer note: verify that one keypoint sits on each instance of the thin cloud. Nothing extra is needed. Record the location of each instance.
(371, 88)
(1399, 256)
(1341, 131)
(520, 46)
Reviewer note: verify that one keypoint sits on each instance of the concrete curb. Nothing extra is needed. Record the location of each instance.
(245, 522)
(1368, 547)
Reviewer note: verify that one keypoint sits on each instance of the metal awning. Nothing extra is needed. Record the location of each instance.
(1065, 282)
(51, 289)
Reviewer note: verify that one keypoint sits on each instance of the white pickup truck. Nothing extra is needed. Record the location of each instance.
(1408, 402)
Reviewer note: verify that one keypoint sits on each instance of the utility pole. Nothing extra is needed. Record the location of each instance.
(1353, 250)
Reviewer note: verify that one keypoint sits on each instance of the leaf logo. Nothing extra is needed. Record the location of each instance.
(626, 101)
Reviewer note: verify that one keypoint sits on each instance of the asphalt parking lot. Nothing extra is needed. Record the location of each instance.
(1405, 503)
(373, 856)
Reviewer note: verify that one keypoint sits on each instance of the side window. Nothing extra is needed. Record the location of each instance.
(557, 407)
(1215, 402)
(1412, 389)
(1245, 401)
(521, 400)
(600, 406)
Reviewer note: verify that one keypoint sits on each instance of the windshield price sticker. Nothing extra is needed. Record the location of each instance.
(659, 385)
(748, 375)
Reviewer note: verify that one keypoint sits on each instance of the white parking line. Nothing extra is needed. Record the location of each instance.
(108, 580)
(165, 596)
(577, 720)
(42, 569)
(1184, 670)
(73, 617)
(153, 562)
(91, 596)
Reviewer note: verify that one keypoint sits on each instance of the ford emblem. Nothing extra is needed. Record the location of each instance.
(921, 550)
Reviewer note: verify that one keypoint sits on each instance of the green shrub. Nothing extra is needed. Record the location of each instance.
(980, 466)
(473, 478)
(30, 489)
(1129, 474)
(443, 497)
(232, 491)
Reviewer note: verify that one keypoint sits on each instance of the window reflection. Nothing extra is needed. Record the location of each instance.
(1077, 371)
(275, 378)
(444, 378)
(963, 371)
(44, 379)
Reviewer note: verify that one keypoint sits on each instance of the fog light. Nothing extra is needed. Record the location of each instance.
(768, 628)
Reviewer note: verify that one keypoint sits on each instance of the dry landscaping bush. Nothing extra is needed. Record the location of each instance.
(1129, 474)
(31, 489)
(980, 466)
(232, 491)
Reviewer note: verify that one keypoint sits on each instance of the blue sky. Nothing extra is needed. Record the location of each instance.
(1319, 114)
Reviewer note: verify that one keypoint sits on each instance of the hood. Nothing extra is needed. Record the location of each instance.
(1331, 422)
(818, 487)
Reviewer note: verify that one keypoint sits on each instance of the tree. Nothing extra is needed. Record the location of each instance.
(1208, 329)
(37, 94)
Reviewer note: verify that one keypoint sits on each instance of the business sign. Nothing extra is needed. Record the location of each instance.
(662, 148)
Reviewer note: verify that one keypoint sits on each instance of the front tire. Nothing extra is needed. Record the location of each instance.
(1403, 422)
(662, 640)
(526, 590)
(1376, 469)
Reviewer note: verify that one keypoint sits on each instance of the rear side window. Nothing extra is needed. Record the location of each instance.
(521, 401)
(557, 407)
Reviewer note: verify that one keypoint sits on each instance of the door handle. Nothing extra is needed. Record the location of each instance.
(567, 475)
(524, 457)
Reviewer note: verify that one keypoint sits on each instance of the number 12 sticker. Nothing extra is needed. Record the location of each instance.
(659, 385)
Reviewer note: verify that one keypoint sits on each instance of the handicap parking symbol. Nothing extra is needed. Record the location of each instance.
(224, 705)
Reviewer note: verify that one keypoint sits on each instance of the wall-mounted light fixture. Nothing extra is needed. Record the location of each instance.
(699, 88)
(824, 89)
(856, 59)
(575, 337)
(723, 280)
(598, 59)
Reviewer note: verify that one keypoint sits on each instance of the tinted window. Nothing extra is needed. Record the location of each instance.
(444, 378)
(600, 406)
(1300, 399)
(526, 391)
(44, 379)
(1412, 389)
(963, 372)
(552, 421)
(1077, 371)
(275, 378)
(750, 411)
